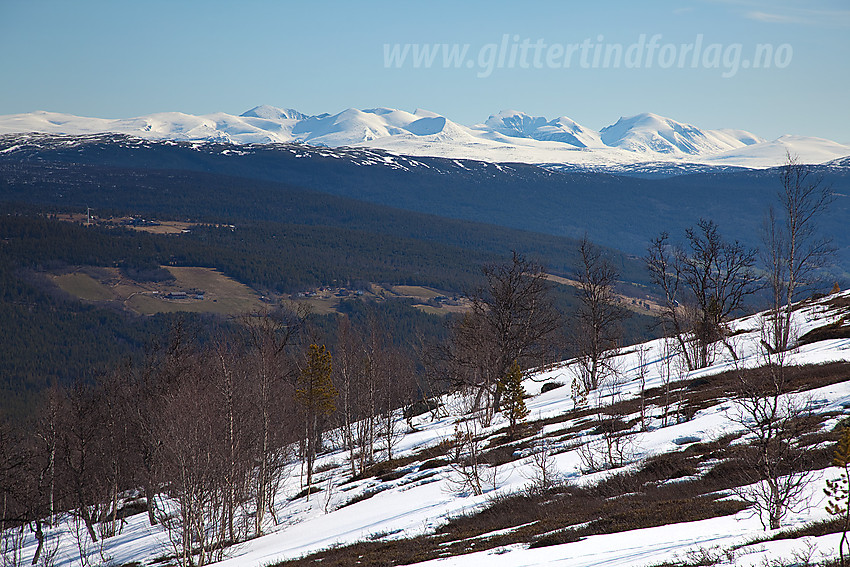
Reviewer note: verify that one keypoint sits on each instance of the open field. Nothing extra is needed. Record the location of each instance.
(165, 227)
(209, 291)
(84, 286)
(430, 300)
(320, 305)
(639, 305)
(194, 289)
(152, 226)
(417, 291)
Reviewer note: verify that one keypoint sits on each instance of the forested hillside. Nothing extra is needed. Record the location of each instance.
(55, 337)
(618, 211)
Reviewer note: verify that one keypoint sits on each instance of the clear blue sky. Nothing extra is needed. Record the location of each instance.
(120, 59)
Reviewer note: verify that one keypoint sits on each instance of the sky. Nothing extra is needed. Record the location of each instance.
(769, 67)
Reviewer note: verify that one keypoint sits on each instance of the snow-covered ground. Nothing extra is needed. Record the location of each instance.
(421, 500)
(508, 136)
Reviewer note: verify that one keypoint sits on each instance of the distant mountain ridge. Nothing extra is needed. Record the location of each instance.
(508, 136)
(622, 207)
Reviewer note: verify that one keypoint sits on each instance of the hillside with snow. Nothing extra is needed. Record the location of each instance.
(684, 435)
(508, 136)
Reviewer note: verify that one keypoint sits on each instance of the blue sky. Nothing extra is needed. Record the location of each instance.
(120, 59)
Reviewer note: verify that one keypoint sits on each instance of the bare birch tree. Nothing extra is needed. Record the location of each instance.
(598, 320)
(512, 318)
(775, 466)
(270, 335)
(794, 252)
(709, 279)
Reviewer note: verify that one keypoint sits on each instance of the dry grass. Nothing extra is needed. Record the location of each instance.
(416, 291)
(222, 295)
(84, 286)
(442, 310)
(639, 304)
(838, 330)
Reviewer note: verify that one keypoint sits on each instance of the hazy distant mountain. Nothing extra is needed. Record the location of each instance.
(508, 136)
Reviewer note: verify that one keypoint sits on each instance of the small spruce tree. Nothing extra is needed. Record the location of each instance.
(316, 394)
(514, 397)
(838, 490)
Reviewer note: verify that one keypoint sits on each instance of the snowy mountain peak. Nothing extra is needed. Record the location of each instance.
(274, 113)
(425, 113)
(648, 132)
(563, 129)
(515, 123)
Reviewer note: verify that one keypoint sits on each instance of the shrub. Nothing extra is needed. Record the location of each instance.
(325, 467)
(305, 492)
(362, 496)
(555, 538)
(392, 475)
(433, 464)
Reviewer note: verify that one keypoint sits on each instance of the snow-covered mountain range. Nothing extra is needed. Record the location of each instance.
(509, 136)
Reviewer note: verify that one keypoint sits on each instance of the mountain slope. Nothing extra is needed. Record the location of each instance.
(635, 513)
